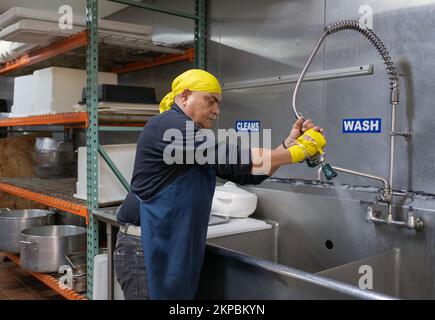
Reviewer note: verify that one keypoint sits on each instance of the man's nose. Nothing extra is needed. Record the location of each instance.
(217, 110)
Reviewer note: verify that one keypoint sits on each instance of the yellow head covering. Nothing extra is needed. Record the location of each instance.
(194, 80)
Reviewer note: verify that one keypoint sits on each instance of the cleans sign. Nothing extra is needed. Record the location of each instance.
(248, 125)
(366, 125)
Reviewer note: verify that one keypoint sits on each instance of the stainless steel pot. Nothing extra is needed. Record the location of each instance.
(47, 143)
(12, 222)
(43, 249)
(54, 157)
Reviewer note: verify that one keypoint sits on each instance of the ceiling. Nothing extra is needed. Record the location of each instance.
(105, 7)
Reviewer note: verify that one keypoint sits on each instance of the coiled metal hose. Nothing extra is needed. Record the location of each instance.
(373, 39)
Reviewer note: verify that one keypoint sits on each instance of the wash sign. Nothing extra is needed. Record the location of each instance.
(365, 125)
(248, 125)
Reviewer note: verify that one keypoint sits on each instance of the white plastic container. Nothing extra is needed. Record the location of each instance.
(56, 90)
(22, 104)
(99, 284)
(232, 201)
(110, 188)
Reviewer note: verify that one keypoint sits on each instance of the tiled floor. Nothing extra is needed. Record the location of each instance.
(18, 284)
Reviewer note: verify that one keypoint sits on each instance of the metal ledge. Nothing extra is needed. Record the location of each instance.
(293, 78)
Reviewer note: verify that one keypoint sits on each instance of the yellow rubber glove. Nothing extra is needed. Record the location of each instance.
(307, 145)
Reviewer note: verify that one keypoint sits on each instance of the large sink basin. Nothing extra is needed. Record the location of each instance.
(240, 267)
(322, 248)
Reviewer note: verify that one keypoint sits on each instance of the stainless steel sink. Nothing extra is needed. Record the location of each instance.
(247, 268)
(380, 273)
(322, 248)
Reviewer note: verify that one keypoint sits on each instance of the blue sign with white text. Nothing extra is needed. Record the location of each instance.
(248, 125)
(365, 125)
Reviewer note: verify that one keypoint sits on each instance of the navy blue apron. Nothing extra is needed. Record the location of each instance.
(174, 230)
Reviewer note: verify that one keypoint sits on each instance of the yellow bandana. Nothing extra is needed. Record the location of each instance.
(194, 80)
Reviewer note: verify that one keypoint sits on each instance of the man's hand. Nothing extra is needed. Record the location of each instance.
(299, 127)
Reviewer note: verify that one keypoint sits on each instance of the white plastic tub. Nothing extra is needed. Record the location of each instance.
(56, 90)
(22, 104)
(110, 188)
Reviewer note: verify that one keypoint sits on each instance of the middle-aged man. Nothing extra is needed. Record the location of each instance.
(164, 219)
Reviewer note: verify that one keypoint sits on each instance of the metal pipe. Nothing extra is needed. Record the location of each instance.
(392, 143)
(338, 73)
(370, 176)
(304, 71)
(411, 222)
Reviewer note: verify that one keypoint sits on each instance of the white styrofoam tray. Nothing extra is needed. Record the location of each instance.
(36, 32)
(16, 14)
(235, 226)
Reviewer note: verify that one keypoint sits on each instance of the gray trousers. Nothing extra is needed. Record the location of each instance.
(130, 267)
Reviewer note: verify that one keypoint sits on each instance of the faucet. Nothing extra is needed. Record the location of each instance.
(388, 193)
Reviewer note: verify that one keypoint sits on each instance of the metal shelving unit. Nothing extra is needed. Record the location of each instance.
(36, 190)
(92, 132)
(56, 193)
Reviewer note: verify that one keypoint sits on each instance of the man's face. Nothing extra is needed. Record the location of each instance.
(201, 107)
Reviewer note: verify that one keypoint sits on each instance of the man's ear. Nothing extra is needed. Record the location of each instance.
(185, 95)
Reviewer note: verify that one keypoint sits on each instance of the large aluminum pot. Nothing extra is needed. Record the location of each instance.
(43, 249)
(52, 158)
(12, 222)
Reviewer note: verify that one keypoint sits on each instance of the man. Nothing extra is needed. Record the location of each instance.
(164, 219)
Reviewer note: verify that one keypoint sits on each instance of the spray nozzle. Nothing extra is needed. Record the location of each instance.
(328, 171)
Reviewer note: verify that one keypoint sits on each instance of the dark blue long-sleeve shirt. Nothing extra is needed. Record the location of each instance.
(151, 173)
